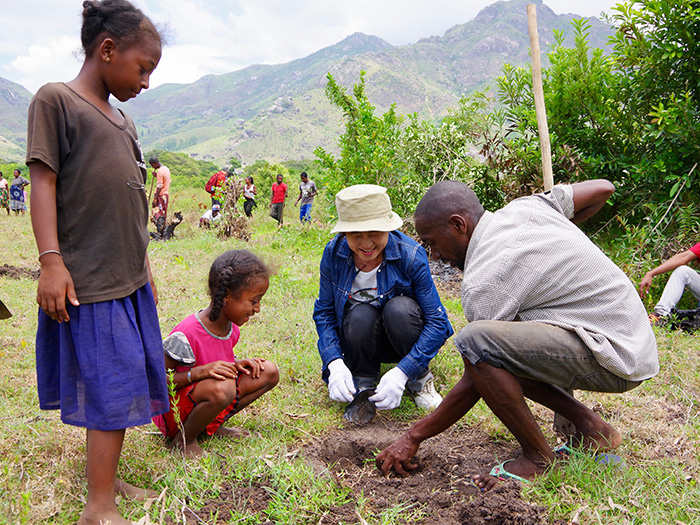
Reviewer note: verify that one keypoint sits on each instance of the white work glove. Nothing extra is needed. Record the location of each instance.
(390, 389)
(341, 387)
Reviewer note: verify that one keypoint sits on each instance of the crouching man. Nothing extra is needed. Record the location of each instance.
(548, 312)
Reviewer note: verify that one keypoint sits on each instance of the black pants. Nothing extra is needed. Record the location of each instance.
(248, 206)
(372, 336)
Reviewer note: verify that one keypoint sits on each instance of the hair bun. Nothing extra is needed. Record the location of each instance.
(89, 8)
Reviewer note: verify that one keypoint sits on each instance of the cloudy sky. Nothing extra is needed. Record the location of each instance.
(40, 40)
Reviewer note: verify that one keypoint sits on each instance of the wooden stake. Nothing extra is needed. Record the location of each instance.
(150, 192)
(538, 90)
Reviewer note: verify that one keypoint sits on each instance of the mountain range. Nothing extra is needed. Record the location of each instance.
(280, 112)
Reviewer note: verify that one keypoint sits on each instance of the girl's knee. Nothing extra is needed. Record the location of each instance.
(223, 393)
(271, 374)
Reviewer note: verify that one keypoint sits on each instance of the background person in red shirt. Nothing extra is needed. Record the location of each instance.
(217, 182)
(279, 195)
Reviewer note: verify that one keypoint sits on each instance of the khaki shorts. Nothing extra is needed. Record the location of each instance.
(538, 351)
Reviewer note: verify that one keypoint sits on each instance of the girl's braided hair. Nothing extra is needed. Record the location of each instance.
(233, 272)
(118, 19)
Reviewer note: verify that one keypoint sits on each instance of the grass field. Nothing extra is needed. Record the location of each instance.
(42, 461)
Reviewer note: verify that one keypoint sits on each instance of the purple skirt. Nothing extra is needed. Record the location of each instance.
(104, 368)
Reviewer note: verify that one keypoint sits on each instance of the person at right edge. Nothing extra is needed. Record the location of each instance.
(377, 304)
(682, 278)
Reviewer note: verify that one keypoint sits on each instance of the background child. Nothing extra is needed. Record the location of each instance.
(212, 385)
(4, 193)
(98, 347)
(307, 192)
(249, 194)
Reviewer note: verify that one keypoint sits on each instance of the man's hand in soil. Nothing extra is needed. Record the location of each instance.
(398, 456)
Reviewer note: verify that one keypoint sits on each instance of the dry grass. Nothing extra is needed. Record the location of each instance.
(42, 461)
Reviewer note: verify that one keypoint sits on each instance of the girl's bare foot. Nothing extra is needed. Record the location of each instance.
(96, 516)
(190, 450)
(127, 490)
(231, 432)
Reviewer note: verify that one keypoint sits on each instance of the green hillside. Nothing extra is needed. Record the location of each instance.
(279, 112)
(14, 101)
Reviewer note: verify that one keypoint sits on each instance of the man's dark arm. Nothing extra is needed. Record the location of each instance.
(589, 197)
(399, 455)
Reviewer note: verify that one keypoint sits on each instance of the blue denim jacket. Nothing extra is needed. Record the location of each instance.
(404, 271)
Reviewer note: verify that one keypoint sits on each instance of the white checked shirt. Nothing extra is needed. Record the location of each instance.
(529, 262)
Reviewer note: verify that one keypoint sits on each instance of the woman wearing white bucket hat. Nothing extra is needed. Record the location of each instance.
(377, 304)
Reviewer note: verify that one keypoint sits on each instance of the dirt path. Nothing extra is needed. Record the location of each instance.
(12, 272)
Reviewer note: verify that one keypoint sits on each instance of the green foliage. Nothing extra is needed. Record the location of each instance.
(8, 168)
(368, 148)
(408, 159)
(448, 151)
(611, 116)
(657, 52)
(582, 114)
(295, 167)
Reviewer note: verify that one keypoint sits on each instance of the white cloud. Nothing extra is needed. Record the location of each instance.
(40, 63)
(218, 36)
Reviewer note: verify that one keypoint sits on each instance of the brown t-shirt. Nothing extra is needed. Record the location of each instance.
(100, 191)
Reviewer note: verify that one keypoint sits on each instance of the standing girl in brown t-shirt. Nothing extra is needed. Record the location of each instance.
(98, 350)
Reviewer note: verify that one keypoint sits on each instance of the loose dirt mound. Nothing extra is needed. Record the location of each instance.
(439, 492)
(13, 272)
(439, 489)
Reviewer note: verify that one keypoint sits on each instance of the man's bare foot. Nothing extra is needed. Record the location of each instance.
(599, 436)
(190, 450)
(231, 432)
(127, 490)
(520, 467)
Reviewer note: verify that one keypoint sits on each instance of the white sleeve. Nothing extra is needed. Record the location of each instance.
(561, 198)
(178, 347)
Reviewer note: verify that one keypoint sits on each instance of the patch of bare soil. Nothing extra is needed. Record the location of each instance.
(438, 492)
(447, 279)
(440, 488)
(7, 270)
(254, 498)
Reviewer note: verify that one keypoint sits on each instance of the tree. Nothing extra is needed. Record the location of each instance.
(368, 147)
(586, 127)
(451, 150)
(630, 116)
(657, 50)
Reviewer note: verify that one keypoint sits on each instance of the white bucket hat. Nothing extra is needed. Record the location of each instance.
(365, 207)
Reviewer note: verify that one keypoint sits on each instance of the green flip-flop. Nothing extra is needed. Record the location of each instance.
(500, 472)
(602, 458)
